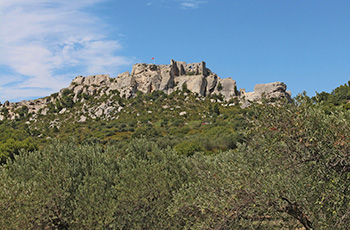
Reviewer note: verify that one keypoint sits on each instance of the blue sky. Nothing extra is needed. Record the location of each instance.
(44, 44)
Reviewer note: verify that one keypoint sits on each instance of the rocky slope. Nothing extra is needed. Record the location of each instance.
(144, 78)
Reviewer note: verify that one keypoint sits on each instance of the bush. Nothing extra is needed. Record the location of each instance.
(303, 161)
(188, 148)
(145, 132)
(63, 187)
(12, 147)
(84, 187)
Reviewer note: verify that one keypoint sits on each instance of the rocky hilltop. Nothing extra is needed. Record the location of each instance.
(147, 78)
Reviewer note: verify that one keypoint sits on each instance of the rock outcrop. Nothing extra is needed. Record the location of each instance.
(146, 78)
(168, 78)
(150, 77)
(271, 91)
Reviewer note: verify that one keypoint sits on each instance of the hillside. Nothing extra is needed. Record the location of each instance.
(166, 102)
(94, 157)
(178, 161)
(144, 78)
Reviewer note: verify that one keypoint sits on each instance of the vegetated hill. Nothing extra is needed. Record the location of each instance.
(205, 123)
(145, 78)
(174, 160)
(182, 105)
(291, 172)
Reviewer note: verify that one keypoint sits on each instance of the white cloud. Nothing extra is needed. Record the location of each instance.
(48, 42)
(18, 94)
(190, 4)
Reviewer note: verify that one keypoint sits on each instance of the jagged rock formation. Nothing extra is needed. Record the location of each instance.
(150, 77)
(146, 78)
(168, 78)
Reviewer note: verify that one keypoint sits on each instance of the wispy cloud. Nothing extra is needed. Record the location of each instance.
(47, 42)
(190, 4)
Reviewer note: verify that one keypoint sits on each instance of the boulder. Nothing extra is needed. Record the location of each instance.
(274, 90)
(99, 112)
(62, 111)
(271, 91)
(82, 119)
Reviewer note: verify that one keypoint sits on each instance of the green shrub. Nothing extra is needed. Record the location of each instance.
(62, 187)
(12, 147)
(146, 132)
(303, 154)
(188, 148)
(67, 186)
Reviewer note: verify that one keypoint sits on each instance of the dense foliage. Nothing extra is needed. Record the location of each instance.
(13, 138)
(273, 166)
(303, 165)
(338, 97)
(209, 123)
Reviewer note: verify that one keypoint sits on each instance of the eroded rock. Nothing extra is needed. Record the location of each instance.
(148, 78)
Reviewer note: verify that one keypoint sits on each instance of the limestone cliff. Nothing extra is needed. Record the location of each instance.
(146, 78)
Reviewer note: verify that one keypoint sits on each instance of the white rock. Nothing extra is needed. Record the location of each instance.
(82, 119)
(99, 112)
(63, 111)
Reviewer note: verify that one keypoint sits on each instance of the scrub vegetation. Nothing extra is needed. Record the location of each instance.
(269, 166)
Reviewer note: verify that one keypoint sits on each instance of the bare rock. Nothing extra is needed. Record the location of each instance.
(79, 80)
(196, 84)
(97, 80)
(44, 111)
(78, 89)
(227, 87)
(62, 111)
(99, 112)
(126, 86)
(212, 81)
(274, 90)
(125, 74)
(82, 119)
(167, 80)
(271, 91)
(148, 78)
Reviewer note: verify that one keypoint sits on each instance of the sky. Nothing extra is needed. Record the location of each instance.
(45, 44)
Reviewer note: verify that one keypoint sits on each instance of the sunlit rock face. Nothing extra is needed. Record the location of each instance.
(146, 78)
